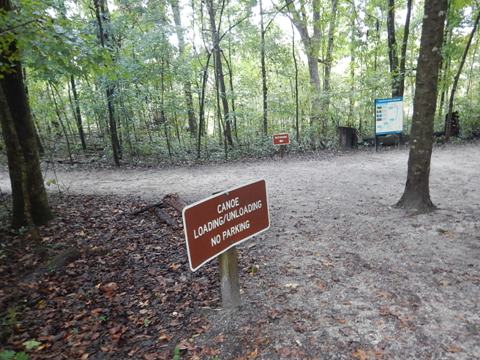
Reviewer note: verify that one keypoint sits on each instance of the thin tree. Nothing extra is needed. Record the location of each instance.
(187, 86)
(448, 122)
(417, 189)
(77, 113)
(403, 52)
(397, 69)
(101, 13)
(220, 78)
(264, 72)
(311, 43)
(329, 61)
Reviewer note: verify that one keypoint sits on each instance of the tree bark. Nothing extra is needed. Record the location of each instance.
(448, 122)
(417, 190)
(15, 108)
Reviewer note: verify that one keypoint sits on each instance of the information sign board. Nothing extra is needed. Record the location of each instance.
(281, 139)
(388, 116)
(214, 225)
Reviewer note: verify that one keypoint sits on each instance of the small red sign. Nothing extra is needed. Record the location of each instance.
(281, 139)
(214, 225)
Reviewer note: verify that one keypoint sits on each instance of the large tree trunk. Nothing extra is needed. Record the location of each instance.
(448, 123)
(15, 111)
(417, 191)
(187, 86)
(219, 72)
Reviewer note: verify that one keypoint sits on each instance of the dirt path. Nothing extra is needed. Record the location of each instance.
(341, 273)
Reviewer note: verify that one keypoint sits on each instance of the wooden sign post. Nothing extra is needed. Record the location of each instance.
(229, 283)
(282, 140)
(214, 226)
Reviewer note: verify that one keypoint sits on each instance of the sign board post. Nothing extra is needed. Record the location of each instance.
(214, 226)
(282, 140)
(229, 283)
(388, 117)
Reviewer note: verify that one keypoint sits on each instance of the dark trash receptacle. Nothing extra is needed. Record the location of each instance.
(347, 137)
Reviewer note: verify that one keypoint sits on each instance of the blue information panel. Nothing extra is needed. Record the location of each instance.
(388, 116)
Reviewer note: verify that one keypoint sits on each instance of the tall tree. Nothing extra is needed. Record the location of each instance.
(29, 199)
(329, 61)
(403, 52)
(397, 69)
(102, 16)
(392, 47)
(219, 75)
(187, 86)
(448, 123)
(311, 43)
(264, 72)
(417, 189)
(77, 113)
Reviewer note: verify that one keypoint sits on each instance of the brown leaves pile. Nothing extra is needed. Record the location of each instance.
(130, 294)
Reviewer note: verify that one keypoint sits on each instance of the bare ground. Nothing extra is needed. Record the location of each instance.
(341, 274)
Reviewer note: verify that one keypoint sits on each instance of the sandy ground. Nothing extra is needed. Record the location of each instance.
(342, 274)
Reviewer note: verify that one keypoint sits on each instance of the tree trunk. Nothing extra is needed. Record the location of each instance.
(219, 72)
(328, 62)
(101, 13)
(448, 123)
(16, 111)
(403, 55)
(41, 149)
(417, 191)
(311, 44)
(201, 124)
(78, 114)
(264, 72)
(187, 86)
(392, 48)
(295, 64)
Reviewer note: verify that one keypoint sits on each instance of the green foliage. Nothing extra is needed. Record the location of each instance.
(12, 355)
(31, 344)
(176, 353)
(148, 72)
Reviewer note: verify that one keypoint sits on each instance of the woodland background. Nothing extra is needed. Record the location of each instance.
(172, 81)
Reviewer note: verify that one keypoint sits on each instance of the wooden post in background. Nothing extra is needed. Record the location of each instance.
(229, 283)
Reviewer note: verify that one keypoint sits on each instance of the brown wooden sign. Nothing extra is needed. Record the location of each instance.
(281, 139)
(214, 225)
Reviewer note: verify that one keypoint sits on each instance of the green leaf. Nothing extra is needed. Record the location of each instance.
(7, 355)
(31, 344)
(21, 356)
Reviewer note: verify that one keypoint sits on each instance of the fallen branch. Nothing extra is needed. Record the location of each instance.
(148, 207)
(163, 216)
